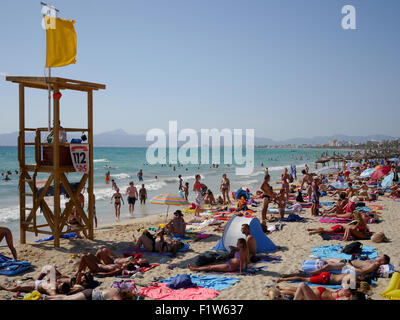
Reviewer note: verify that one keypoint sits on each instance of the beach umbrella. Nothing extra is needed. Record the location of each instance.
(388, 180)
(355, 165)
(367, 173)
(394, 160)
(339, 185)
(169, 200)
(327, 170)
(380, 172)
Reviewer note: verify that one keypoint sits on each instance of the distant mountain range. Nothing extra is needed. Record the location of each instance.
(119, 138)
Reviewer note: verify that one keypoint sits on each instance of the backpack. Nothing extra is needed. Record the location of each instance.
(353, 248)
(181, 281)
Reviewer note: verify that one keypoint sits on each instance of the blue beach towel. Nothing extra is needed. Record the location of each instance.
(332, 251)
(11, 267)
(71, 235)
(209, 282)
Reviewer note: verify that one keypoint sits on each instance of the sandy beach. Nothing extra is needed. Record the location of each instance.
(293, 241)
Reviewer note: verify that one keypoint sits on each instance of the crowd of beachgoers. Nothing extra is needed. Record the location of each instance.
(352, 208)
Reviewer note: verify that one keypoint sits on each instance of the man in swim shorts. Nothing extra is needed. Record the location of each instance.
(132, 193)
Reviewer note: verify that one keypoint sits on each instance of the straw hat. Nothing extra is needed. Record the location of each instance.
(379, 237)
(273, 293)
(354, 199)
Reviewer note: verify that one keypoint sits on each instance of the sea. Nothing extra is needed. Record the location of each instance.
(124, 164)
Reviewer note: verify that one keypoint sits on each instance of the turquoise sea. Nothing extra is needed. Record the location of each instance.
(126, 162)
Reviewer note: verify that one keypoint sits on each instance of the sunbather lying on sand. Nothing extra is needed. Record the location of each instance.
(335, 229)
(359, 266)
(324, 278)
(239, 262)
(97, 294)
(157, 243)
(337, 209)
(304, 292)
(107, 257)
(49, 287)
(91, 262)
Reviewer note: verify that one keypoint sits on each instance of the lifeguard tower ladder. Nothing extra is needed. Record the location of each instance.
(56, 161)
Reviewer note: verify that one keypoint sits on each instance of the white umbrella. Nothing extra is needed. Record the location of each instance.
(367, 173)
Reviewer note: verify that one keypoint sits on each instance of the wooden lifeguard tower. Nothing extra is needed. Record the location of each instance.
(54, 159)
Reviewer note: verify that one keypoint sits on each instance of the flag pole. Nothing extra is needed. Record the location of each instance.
(49, 101)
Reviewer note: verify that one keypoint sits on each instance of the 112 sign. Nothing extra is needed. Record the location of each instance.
(80, 157)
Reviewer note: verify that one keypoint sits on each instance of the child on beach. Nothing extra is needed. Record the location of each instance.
(186, 190)
(281, 201)
(6, 233)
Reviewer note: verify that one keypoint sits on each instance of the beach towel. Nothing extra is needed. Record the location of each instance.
(191, 236)
(207, 281)
(71, 235)
(270, 259)
(129, 252)
(334, 251)
(250, 271)
(11, 267)
(312, 265)
(293, 218)
(339, 236)
(328, 203)
(160, 291)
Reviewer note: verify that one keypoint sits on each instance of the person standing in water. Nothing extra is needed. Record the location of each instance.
(180, 188)
(132, 193)
(142, 194)
(117, 196)
(225, 188)
(108, 177)
(6, 233)
(140, 175)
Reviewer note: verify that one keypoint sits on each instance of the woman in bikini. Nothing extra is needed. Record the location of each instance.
(281, 201)
(239, 262)
(359, 230)
(199, 200)
(97, 294)
(304, 292)
(324, 278)
(225, 187)
(268, 196)
(285, 182)
(157, 243)
(117, 196)
(177, 226)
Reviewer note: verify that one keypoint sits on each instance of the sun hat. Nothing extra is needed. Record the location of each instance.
(379, 237)
(354, 199)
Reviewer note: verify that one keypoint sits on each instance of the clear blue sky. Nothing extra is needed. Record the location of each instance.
(283, 67)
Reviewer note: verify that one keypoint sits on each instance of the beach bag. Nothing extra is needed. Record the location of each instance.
(385, 270)
(129, 285)
(353, 248)
(181, 281)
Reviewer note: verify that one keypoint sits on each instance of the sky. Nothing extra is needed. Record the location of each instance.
(285, 68)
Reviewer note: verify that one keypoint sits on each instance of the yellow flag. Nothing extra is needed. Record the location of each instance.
(61, 42)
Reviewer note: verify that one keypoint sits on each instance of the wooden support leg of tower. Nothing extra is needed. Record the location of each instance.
(21, 156)
(56, 165)
(90, 140)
